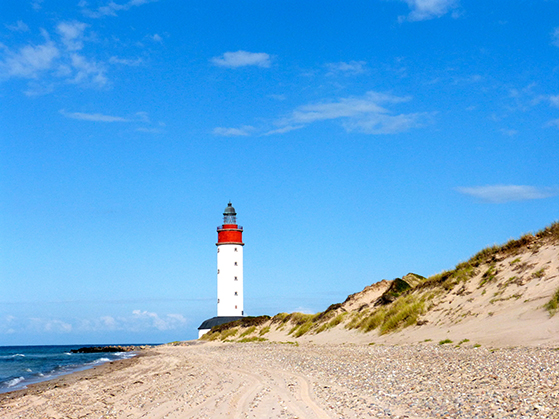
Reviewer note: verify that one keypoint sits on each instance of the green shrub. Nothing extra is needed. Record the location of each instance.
(443, 342)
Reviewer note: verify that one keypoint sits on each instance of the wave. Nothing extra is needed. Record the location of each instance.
(14, 382)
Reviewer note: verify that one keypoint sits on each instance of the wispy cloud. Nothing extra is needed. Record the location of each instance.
(242, 59)
(19, 26)
(72, 34)
(497, 194)
(136, 321)
(94, 117)
(366, 114)
(111, 8)
(285, 129)
(429, 9)
(508, 132)
(126, 61)
(555, 37)
(30, 60)
(243, 131)
(349, 68)
(54, 61)
(37, 4)
(88, 71)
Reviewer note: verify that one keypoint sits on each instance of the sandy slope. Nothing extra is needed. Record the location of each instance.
(499, 309)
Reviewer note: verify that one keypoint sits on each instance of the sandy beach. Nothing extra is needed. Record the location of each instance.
(273, 380)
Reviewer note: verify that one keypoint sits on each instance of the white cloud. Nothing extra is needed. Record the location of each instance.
(36, 4)
(94, 117)
(19, 26)
(242, 59)
(137, 321)
(87, 71)
(350, 68)
(284, 129)
(553, 123)
(555, 37)
(497, 194)
(46, 325)
(156, 38)
(111, 8)
(30, 60)
(554, 100)
(126, 61)
(367, 114)
(363, 114)
(245, 130)
(429, 9)
(72, 34)
(509, 132)
(153, 320)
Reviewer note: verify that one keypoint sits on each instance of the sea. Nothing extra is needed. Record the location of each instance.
(24, 365)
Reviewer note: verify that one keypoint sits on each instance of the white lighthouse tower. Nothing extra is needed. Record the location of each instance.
(229, 272)
(230, 265)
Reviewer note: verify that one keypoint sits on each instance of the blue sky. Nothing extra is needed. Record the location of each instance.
(358, 141)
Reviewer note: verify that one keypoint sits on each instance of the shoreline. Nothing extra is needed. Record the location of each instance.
(69, 378)
(272, 380)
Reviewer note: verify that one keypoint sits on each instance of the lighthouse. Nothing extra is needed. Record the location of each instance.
(229, 244)
(230, 265)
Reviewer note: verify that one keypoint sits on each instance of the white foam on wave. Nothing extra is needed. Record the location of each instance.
(14, 382)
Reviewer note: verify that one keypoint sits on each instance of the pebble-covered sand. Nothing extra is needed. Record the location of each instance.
(266, 380)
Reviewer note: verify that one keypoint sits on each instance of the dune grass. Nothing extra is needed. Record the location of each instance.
(552, 305)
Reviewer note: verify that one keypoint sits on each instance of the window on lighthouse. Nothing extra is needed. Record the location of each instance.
(236, 293)
(236, 279)
(235, 249)
(235, 263)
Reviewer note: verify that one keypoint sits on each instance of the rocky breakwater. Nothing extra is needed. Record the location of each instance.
(118, 348)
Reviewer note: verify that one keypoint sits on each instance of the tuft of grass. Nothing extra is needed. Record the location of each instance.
(552, 305)
(300, 330)
(403, 313)
(445, 341)
(539, 274)
(428, 340)
(461, 342)
(374, 321)
(252, 339)
(477, 345)
(515, 261)
(247, 332)
(264, 330)
(489, 275)
(228, 333)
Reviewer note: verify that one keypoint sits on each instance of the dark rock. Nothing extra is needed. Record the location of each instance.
(97, 349)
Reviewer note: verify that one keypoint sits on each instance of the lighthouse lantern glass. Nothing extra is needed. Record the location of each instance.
(229, 219)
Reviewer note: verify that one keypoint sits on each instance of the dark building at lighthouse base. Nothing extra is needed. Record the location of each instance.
(206, 326)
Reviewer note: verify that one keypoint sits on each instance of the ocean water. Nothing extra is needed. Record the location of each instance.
(23, 365)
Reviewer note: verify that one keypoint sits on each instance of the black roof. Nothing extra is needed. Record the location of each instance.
(218, 321)
(229, 210)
